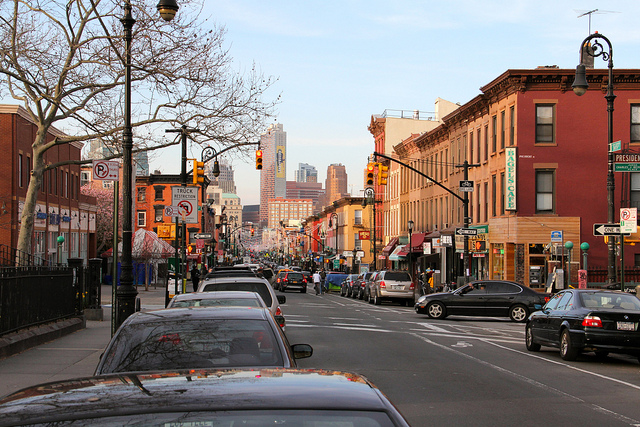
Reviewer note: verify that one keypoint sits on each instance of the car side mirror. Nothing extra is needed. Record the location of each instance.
(301, 351)
(282, 299)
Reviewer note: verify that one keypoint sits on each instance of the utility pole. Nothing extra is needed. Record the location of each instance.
(467, 220)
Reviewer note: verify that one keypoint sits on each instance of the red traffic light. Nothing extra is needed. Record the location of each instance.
(258, 159)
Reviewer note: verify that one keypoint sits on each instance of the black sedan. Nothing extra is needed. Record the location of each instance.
(578, 320)
(192, 338)
(261, 397)
(498, 298)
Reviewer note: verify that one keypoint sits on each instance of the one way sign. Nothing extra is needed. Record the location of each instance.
(606, 229)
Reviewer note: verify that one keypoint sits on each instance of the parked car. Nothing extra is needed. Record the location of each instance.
(217, 299)
(392, 285)
(292, 280)
(287, 397)
(367, 287)
(346, 287)
(251, 284)
(192, 338)
(230, 272)
(500, 298)
(360, 283)
(578, 320)
(308, 277)
(333, 281)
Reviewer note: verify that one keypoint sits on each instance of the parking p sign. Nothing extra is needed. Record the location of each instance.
(628, 220)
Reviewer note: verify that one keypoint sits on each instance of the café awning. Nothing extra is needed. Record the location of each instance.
(390, 247)
(396, 255)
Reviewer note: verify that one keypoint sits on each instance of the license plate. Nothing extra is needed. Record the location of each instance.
(397, 287)
(626, 326)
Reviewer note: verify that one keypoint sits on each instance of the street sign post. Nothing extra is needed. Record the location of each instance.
(606, 229)
(466, 231)
(186, 198)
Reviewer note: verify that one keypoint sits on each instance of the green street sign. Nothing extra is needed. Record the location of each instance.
(626, 167)
(615, 146)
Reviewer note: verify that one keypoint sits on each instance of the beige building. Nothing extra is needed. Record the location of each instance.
(336, 183)
(288, 210)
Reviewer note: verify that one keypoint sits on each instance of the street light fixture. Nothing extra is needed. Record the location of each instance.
(410, 228)
(333, 223)
(126, 293)
(580, 86)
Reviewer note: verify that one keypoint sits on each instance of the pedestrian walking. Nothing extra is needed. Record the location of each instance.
(195, 277)
(316, 282)
(323, 276)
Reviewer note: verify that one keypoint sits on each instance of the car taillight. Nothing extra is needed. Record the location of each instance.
(382, 284)
(412, 286)
(278, 312)
(171, 338)
(592, 321)
(546, 299)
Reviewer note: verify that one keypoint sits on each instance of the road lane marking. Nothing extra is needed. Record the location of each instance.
(342, 327)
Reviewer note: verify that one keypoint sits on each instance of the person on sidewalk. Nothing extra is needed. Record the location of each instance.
(323, 277)
(195, 277)
(316, 282)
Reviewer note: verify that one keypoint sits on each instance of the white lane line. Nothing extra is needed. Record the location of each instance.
(432, 327)
(575, 368)
(541, 385)
(358, 325)
(342, 327)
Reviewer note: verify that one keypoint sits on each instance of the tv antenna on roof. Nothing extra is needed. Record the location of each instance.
(591, 12)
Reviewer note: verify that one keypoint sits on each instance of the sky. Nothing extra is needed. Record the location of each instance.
(340, 62)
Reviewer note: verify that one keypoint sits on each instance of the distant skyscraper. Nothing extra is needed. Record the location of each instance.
(306, 173)
(306, 190)
(141, 162)
(335, 186)
(273, 176)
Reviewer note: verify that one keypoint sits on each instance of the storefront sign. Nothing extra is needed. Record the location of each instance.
(510, 193)
(426, 248)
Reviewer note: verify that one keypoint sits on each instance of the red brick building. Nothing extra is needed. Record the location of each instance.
(61, 210)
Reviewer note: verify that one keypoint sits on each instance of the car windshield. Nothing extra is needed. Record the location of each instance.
(199, 343)
(259, 287)
(218, 302)
(228, 418)
(609, 300)
(400, 276)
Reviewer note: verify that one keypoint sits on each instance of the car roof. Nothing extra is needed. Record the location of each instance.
(192, 391)
(194, 313)
(217, 295)
(235, 279)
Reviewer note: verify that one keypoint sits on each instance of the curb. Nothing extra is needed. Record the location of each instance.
(20, 341)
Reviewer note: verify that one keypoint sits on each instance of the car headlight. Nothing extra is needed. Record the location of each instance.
(422, 298)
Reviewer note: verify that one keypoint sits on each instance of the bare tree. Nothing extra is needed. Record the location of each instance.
(63, 61)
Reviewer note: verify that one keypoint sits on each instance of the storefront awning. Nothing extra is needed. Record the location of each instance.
(395, 256)
(390, 247)
(417, 240)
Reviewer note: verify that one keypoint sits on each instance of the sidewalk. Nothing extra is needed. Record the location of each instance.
(73, 355)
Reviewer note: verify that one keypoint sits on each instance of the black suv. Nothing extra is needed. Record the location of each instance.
(291, 280)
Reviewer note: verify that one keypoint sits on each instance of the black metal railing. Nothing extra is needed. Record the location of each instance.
(13, 257)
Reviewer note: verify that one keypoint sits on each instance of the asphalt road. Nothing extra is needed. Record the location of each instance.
(462, 371)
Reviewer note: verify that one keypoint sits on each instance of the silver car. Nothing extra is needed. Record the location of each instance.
(251, 284)
(392, 285)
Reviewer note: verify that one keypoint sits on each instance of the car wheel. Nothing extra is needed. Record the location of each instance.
(376, 299)
(567, 352)
(531, 346)
(436, 310)
(369, 299)
(361, 295)
(518, 313)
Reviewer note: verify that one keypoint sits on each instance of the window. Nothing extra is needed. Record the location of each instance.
(84, 178)
(142, 219)
(544, 123)
(503, 128)
(142, 194)
(20, 181)
(512, 125)
(478, 141)
(545, 191)
(494, 134)
(158, 193)
(635, 190)
(486, 143)
(159, 213)
(503, 185)
(635, 123)
(494, 195)
(358, 217)
(486, 201)
(471, 147)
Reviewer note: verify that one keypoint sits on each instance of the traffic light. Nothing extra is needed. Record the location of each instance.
(252, 232)
(258, 159)
(198, 172)
(370, 169)
(480, 245)
(383, 174)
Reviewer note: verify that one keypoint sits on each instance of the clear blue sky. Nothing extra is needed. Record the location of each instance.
(339, 62)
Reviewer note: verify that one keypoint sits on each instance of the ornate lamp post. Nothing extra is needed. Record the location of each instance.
(333, 222)
(580, 87)
(126, 293)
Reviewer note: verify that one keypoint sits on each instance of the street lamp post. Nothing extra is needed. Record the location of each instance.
(580, 86)
(126, 293)
(333, 221)
(410, 228)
